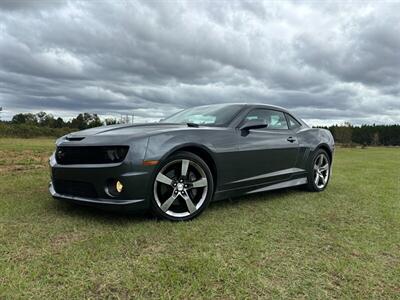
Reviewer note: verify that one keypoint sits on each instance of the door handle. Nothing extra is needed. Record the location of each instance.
(291, 139)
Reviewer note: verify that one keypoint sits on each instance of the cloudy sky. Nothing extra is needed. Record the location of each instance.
(328, 63)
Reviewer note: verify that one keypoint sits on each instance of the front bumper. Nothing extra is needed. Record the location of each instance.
(112, 204)
(133, 198)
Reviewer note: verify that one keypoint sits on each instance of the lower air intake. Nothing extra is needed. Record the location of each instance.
(75, 188)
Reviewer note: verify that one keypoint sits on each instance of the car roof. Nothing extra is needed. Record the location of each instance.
(255, 105)
(246, 106)
(267, 106)
(270, 106)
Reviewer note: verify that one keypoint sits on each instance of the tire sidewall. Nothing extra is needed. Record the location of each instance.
(311, 182)
(181, 155)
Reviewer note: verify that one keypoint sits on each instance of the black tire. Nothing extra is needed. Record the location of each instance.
(162, 191)
(319, 185)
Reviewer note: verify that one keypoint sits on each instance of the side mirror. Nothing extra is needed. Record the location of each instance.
(253, 124)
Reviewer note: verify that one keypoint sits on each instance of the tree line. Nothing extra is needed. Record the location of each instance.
(366, 135)
(41, 124)
(42, 119)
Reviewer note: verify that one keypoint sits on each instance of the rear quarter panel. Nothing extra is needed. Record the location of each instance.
(311, 139)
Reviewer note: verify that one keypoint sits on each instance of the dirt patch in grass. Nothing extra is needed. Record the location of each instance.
(63, 240)
(20, 161)
(24, 253)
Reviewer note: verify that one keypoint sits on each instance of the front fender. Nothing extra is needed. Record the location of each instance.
(161, 146)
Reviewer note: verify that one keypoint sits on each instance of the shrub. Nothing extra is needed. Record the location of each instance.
(31, 131)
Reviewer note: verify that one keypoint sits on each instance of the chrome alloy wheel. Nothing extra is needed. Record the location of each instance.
(180, 188)
(321, 171)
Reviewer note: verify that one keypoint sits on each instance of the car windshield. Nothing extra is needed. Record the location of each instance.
(210, 115)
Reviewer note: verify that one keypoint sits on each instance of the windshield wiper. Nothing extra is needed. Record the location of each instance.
(189, 124)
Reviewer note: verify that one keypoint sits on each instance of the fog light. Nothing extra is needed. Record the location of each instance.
(119, 186)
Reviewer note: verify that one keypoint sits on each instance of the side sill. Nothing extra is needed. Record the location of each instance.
(285, 184)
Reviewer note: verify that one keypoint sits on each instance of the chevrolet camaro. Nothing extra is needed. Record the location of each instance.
(177, 166)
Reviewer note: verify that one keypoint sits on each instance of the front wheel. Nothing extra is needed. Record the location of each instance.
(319, 171)
(182, 188)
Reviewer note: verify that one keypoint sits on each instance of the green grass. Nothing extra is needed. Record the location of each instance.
(342, 243)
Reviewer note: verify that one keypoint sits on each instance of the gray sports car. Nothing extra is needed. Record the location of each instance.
(177, 166)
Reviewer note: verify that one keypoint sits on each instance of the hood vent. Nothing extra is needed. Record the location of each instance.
(74, 139)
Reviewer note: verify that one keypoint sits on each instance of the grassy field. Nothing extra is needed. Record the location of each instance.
(342, 243)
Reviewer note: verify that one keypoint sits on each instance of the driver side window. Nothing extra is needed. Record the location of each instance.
(275, 119)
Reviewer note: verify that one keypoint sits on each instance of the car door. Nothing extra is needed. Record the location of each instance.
(268, 154)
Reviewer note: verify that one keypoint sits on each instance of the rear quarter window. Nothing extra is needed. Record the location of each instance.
(292, 122)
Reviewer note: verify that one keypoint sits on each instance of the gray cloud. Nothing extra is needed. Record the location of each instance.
(329, 63)
(20, 5)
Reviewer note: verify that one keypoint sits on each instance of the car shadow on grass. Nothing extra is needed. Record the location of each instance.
(121, 217)
(98, 214)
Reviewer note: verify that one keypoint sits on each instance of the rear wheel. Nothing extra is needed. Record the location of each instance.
(182, 187)
(319, 171)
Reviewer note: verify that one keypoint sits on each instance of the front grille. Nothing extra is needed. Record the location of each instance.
(69, 155)
(75, 188)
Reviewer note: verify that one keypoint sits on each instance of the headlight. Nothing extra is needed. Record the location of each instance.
(117, 154)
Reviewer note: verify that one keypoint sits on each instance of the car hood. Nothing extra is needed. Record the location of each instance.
(126, 130)
(124, 134)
